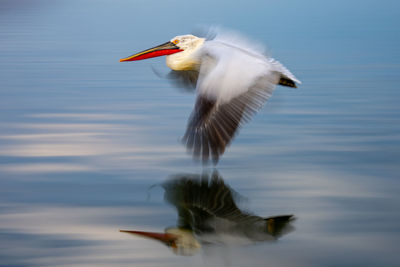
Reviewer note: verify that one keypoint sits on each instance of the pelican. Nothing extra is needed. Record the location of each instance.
(209, 215)
(233, 79)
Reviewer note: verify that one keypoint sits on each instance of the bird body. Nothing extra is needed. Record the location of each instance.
(233, 79)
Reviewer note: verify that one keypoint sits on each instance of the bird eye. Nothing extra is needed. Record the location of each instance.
(176, 41)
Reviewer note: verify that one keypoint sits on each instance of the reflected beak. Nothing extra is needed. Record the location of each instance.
(168, 239)
(167, 48)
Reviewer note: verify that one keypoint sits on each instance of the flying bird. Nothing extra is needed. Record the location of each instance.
(208, 214)
(233, 78)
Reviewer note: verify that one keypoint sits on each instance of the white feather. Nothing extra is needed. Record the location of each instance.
(231, 65)
(233, 79)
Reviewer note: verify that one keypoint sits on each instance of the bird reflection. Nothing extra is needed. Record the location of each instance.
(208, 215)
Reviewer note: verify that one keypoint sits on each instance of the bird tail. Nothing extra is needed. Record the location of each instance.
(287, 82)
(279, 225)
(286, 77)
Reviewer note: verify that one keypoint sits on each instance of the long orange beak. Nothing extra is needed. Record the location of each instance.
(167, 48)
(168, 239)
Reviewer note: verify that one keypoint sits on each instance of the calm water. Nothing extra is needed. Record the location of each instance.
(83, 137)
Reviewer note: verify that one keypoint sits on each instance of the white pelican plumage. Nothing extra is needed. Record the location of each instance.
(233, 79)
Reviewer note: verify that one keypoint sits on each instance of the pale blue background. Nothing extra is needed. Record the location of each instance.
(82, 136)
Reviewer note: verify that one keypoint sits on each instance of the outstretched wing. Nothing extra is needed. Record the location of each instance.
(212, 126)
(233, 85)
(205, 204)
(201, 198)
(185, 79)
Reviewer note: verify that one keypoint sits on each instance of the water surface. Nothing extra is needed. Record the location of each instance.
(83, 137)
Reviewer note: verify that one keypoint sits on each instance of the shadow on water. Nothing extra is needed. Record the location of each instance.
(208, 215)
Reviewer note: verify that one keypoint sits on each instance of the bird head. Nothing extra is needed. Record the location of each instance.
(187, 42)
(175, 45)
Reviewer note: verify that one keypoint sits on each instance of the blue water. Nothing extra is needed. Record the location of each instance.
(83, 137)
